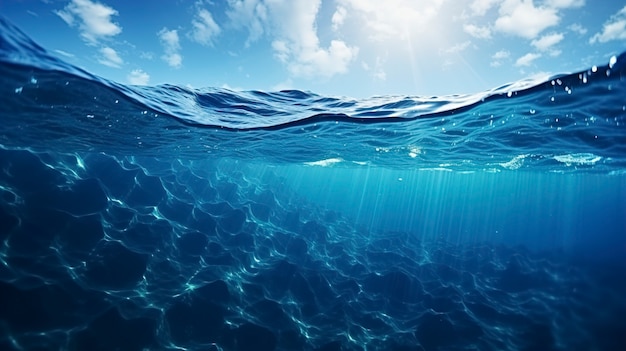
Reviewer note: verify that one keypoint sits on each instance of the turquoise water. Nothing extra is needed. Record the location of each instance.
(137, 218)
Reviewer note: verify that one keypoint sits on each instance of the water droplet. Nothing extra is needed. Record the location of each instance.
(612, 61)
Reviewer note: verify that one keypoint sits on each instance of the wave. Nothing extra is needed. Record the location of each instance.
(543, 120)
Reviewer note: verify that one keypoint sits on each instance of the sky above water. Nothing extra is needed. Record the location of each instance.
(355, 48)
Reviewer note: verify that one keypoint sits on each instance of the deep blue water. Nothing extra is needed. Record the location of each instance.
(164, 218)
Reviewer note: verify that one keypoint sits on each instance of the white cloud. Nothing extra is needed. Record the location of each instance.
(394, 18)
(458, 47)
(313, 61)
(577, 28)
(138, 77)
(502, 54)
(527, 59)
(477, 32)
(174, 60)
(292, 25)
(613, 29)
(339, 17)
(146, 55)
(522, 18)
(92, 18)
(480, 7)
(204, 28)
(171, 46)
(564, 4)
(249, 14)
(547, 41)
(496, 59)
(110, 58)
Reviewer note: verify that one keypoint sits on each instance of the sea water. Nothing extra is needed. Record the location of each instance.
(168, 218)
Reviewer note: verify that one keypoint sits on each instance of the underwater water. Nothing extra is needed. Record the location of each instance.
(164, 218)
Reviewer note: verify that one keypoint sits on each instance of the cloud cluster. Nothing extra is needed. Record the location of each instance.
(171, 45)
(320, 41)
(524, 19)
(547, 42)
(92, 19)
(298, 45)
(109, 57)
(477, 32)
(138, 77)
(498, 57)
(521, 18)
(394, 18)
(249, 14)
(204, 28)
(480, 7)
(613, 29)
(527, 59)
(95, 24)
(339, 17)
(295, 42)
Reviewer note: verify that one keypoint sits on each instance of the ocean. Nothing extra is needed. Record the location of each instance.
(170, 218)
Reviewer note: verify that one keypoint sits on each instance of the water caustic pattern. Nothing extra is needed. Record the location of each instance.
(105, 253)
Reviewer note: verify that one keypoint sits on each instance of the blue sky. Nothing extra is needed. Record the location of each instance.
(354, 48)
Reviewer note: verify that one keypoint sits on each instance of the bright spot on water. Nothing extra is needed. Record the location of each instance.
(324, 163)
(414, 151)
